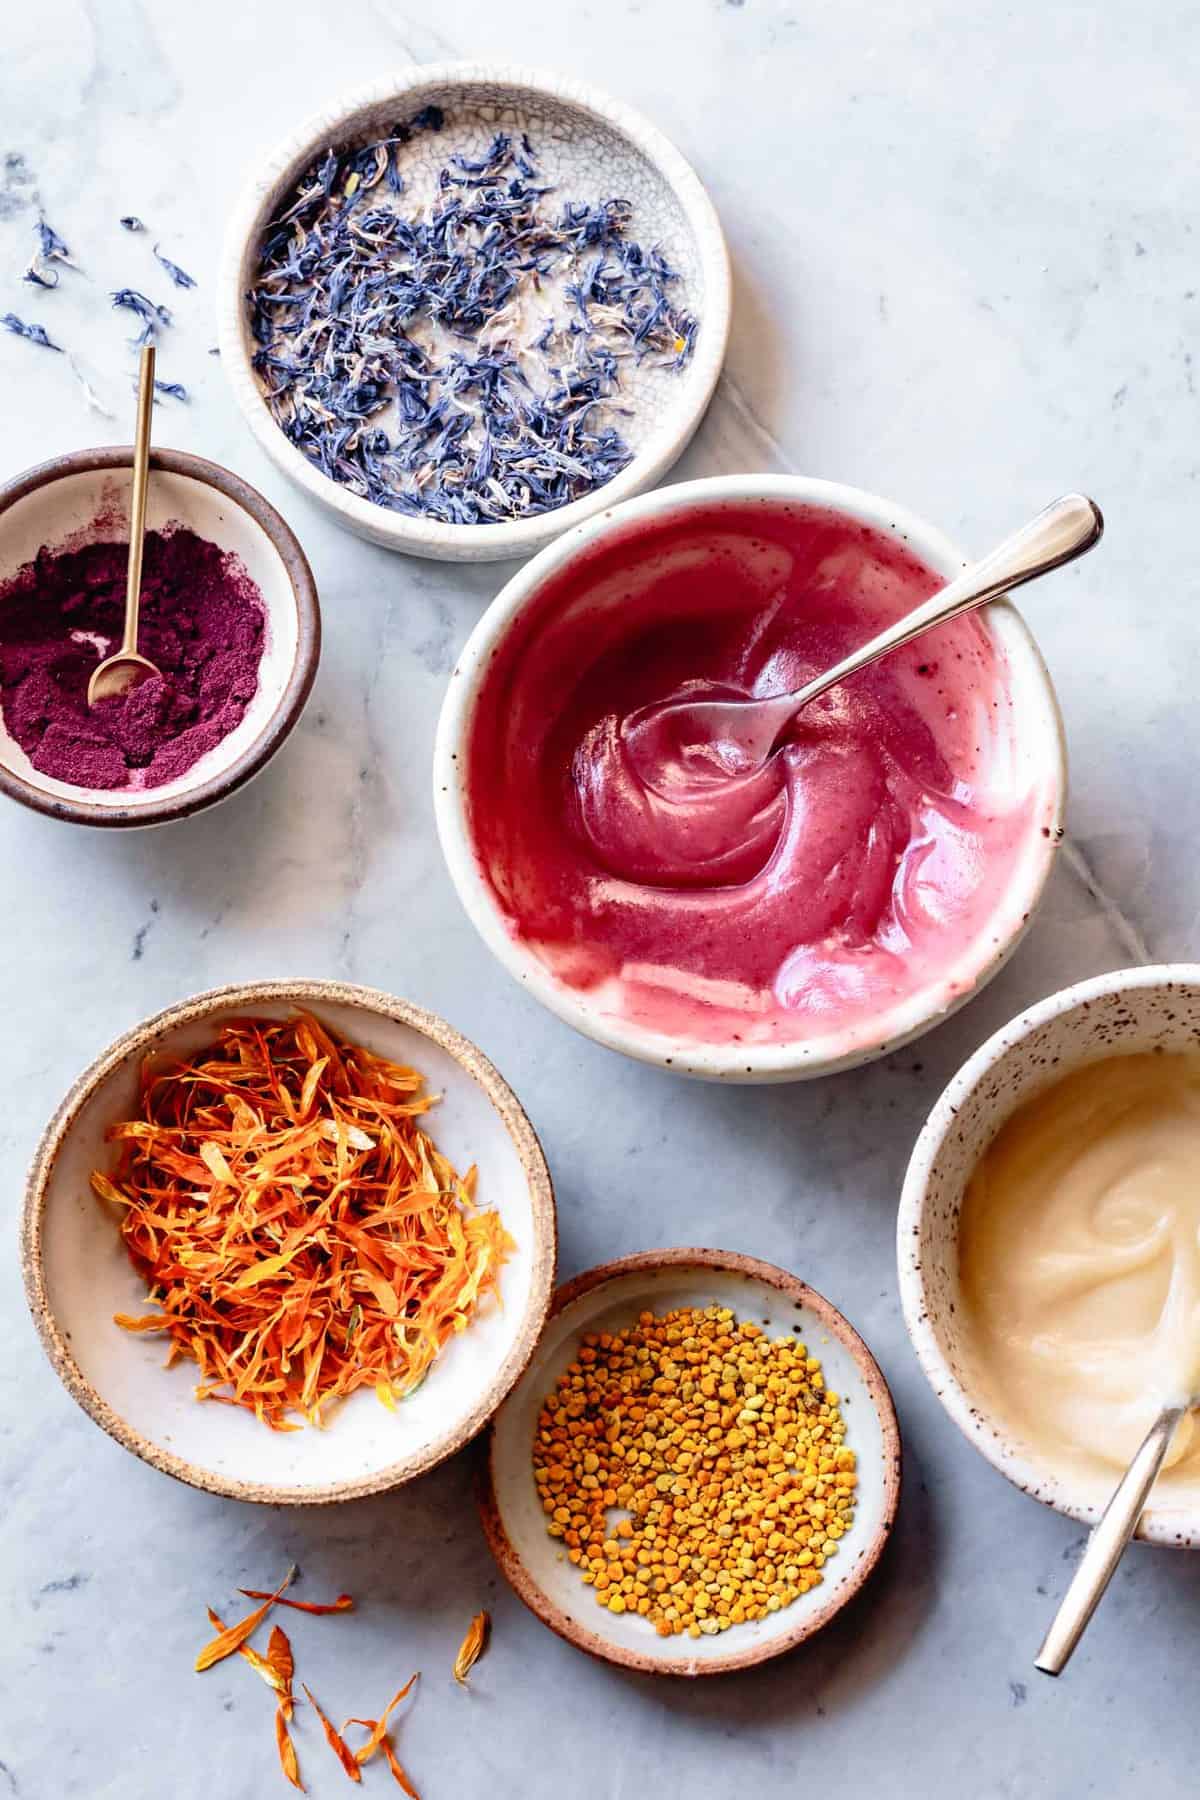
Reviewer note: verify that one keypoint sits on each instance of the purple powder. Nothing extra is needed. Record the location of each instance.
(202, 623)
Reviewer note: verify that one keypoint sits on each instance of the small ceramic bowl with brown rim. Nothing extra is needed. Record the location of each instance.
(83, 498)
(610, 1298)
(1131, 1011)
(77, 1274)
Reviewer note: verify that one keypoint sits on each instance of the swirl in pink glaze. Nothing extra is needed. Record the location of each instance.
(862, 865)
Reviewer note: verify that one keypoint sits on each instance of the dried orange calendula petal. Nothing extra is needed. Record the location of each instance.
(472, 1647)
(300, 1234)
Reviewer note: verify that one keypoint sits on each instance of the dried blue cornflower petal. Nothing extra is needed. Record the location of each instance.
(179, 276)
(409, 359)
(36, 334)
(175, 389)
(151, 315)
(131, 222)
(53, 249)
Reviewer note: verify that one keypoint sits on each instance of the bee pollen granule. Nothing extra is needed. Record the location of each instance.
(695, 1470)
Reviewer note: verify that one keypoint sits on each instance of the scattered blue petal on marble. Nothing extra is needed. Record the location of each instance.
(175, 389)
(361, 310)
(153, 317)
(36, 334)
(51, 250)
(131, 222)
(179, 276)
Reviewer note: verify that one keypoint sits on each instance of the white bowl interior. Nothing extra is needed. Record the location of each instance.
(590, 149)
(1142, 1010)
(89, 1278)
(1031, 766)
(91, 506)
(616, 1303)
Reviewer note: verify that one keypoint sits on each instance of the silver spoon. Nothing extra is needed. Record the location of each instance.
(125, 668)
(1106, 1545)
(752, 729)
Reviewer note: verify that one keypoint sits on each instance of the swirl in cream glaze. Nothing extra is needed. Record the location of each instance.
(1080, 1260)
(860, 866)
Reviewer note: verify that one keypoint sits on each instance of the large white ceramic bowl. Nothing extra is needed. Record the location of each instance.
(1154, 1008)
(1039, 768)
(77, 1274)
(592, 148)
(83, 498)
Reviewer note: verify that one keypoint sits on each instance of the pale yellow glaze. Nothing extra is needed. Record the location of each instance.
(1080, 1261)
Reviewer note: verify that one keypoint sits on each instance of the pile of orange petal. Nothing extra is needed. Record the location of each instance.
(278, 1668)
(301, 1236)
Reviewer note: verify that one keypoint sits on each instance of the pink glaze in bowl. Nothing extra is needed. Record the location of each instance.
(583, 943)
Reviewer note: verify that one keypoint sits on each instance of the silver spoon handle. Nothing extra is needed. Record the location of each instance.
(1063, 531)
(1105, 1547)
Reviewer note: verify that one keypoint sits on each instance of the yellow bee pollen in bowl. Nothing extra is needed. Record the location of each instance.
(722, 1450)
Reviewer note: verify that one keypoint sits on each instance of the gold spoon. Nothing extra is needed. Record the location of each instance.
(125, 669)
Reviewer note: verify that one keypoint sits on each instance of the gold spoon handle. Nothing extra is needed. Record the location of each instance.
(1105, 1547)
(137, 500)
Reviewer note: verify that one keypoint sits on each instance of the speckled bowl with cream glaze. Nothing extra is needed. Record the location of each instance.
(592, 148)
(1133, 1010)
(77, 1274)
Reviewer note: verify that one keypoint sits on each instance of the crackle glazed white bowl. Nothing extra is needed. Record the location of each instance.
(77, 1274)
(1040, 766)
(610, 1298)
(1133, 1010)
(82, 498)
(591, 147)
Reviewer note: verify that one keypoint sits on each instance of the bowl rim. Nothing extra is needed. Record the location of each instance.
(300, 678)
(739, 1062)
(245, 995)
(471, 543)
(528, 1590)
(987, 1434)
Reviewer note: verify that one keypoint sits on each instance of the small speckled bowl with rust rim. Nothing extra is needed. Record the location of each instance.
(77, 1274)
(83, 498)
(1156, 1008)
(591, 148)
(609, 1298)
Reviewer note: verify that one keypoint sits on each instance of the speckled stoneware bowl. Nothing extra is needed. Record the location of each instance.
(84, 498)
(1154, 1008)
(77, 1274)
(591, 147)
(1038, 769)
(608, 1298)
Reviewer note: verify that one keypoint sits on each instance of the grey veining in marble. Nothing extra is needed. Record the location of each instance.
(967, 276)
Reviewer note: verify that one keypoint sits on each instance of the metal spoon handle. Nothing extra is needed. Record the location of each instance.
(1106, 1545)
(137, 500)
(1063, 531)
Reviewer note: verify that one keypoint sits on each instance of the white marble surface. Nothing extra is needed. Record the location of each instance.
(966, 272)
